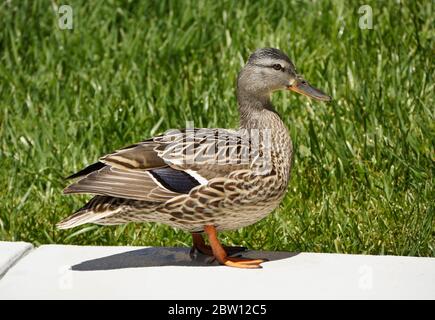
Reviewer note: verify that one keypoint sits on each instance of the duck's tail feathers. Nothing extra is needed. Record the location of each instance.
(97, 208)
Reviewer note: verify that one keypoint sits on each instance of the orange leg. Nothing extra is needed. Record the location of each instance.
(199, 244)
(222, 256)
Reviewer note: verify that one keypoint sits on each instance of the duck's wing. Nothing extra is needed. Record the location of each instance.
(153, 185)
(135, 157)
(165, 166)
(206, 153)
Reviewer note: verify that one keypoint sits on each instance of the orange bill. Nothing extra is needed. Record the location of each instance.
(303, 87)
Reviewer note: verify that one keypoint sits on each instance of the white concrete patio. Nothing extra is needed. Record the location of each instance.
(75, 272)
(10, 253)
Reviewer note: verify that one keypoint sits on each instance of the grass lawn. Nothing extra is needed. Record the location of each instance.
(363, 178)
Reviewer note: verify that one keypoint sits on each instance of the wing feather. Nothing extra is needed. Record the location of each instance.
(115, 182)
(166, 166)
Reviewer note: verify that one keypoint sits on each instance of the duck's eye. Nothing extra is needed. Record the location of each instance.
(277, 66)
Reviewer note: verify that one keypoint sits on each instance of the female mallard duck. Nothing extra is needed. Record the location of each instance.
(203, 180)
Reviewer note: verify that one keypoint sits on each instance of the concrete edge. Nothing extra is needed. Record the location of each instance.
(16, 258)
(248, 250)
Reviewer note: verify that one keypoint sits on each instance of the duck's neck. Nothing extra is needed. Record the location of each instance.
(255, 109)
(257, 112)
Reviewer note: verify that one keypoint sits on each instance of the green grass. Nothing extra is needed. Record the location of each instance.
(363, 178)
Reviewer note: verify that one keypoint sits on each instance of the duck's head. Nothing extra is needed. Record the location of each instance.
(269, 70)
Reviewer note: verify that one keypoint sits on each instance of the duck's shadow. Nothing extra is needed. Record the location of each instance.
(166, 256)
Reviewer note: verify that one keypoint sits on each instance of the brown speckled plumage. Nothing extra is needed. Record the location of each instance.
(192, 178)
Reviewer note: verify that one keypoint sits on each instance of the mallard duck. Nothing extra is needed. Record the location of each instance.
(203, 180)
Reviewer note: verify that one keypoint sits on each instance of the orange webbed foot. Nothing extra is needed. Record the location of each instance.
(222, 257)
